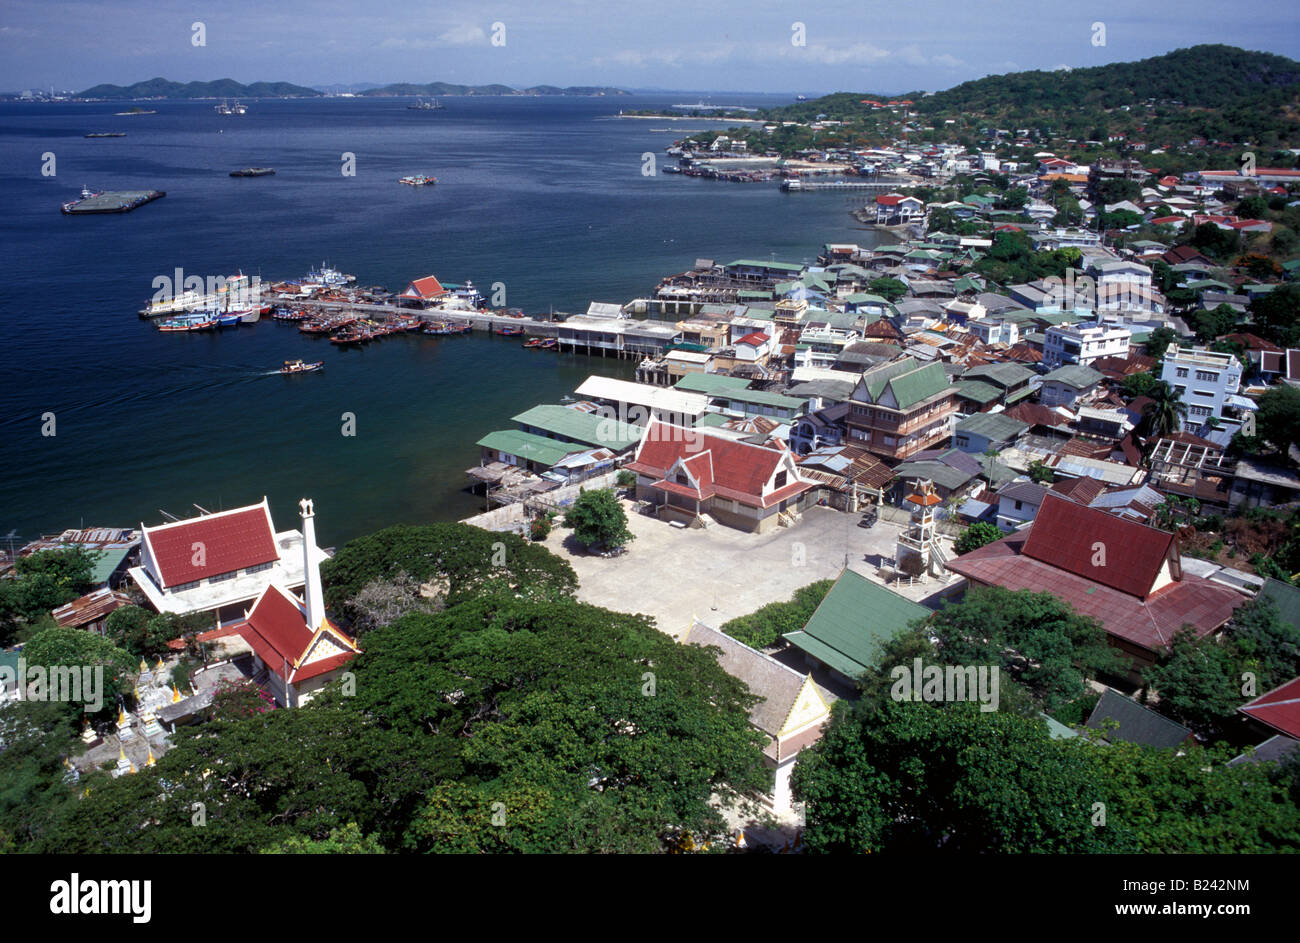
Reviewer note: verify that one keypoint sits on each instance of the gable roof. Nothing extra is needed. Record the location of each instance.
(908, 382)
(427, 287)
(777, 685)
(852, 623)
(1137, 724)
(1067, 535)
(579, 426)
(996, 427)
(276, 629)
(1074, 375)
(736, 470)
(527, 445)
(194, 549)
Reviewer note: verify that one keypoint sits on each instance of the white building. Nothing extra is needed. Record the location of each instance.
(1204, 379)
(1084, 343)
(218, 562)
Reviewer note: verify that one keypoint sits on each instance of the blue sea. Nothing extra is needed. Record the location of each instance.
(544, 195)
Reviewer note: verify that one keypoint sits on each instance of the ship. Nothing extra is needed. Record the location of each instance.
(419, 180)
(225, 108)
(253, 172)
(106, 134)
(422, 105)
(326, 277)
(195, 321)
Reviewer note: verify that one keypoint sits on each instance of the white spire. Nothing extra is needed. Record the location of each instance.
(312, 594)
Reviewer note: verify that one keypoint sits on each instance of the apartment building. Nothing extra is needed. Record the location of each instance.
(900, 408)
(1205, 379)
(1084, 343)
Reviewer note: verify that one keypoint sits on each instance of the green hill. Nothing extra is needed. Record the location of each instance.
(220, 88)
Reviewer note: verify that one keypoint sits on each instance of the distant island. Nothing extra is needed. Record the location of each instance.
(229, 88)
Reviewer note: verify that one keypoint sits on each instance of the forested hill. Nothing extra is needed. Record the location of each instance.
(219, 88)
(1199, 77)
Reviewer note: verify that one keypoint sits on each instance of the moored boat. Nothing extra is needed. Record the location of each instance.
(508, 330)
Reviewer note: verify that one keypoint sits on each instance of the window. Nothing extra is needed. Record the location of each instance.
(259, 568)
(1181, 372)
(185, 587)
(222, 577)
(779, 481)
(1207, 375)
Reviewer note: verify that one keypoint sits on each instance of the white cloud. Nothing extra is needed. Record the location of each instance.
(463, 36)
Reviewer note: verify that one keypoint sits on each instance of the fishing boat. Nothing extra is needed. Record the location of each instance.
(349, 338)
(229, 318)
(418, 180)
(297, 366)
(508, 330)
(289, 314)
(195, 321)
(540, 343)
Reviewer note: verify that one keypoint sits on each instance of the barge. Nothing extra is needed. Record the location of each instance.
(110, 201)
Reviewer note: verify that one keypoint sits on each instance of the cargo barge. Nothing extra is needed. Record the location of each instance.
(110, 201)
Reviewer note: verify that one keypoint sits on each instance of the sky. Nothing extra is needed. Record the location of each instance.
(724, 45)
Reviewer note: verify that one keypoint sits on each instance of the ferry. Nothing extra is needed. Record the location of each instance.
(225, 108)
(422, 105)
(418, 180)
(297, 366)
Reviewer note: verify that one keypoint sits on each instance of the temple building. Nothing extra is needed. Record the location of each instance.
(218, 563)
(294, 641)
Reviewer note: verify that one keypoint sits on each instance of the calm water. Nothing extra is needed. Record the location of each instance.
(544, 195)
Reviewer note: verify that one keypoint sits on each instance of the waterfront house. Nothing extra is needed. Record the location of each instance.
(580, 428)
(894, 209)
(847, 632)
(423, 292)
(559, 461)
(218, 562)
(638, 403)
(790, 709)
(688, 473)
(900, 408)
(1126, 575)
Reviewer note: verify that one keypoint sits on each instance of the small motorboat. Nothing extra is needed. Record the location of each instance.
(297, 366)
(509, 330)
(349, 338)
(541, 343)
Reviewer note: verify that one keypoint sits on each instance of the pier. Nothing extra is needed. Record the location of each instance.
(113, 201)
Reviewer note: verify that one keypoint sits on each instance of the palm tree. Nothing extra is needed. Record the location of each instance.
(1164, 413)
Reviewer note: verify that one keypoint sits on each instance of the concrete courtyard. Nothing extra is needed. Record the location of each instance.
(718, 573)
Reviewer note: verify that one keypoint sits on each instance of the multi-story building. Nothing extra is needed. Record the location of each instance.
(1204, 379)
(901, 408)
(1084, 343)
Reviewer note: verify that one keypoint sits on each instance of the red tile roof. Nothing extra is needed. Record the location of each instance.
(1112, 551)
(276, 629)
(427, 287)
(724, 467)
(1149, 624)
(208, 546)
(754, 339)
(1279, 708)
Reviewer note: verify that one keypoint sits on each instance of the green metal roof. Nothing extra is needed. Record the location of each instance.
(535, 448)
(1003, 374)
(760, 263)
(585, 429)
(977, 391)
(1075, 375)
(710, 383)
(760, 397)
(910, 388)
(943, 475)
(108, 560)
(855, 619)
(754, 294)
(993, 426)
(1286, 597)
(865, 297)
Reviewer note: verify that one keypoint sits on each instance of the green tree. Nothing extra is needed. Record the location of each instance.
(1160, 340)
(766, 625)
(891, 289)
(1267, 643)
(1278, 417)
(909, 777)
(43, 581)
(598, 520)
(1040, 473)
(347, 840)
(1163, 415)
(1137, 384)
(1198, 681)
(68, 647)
(976, 536)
